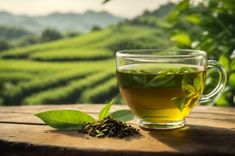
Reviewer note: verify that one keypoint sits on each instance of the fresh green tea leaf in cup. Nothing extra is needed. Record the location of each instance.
(170, 93)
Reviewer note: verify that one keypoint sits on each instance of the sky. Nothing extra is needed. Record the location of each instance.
(123, 8)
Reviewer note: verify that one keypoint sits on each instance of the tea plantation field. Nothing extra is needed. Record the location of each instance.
(74, 70)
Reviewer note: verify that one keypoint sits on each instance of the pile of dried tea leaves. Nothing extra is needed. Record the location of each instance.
(109, 127)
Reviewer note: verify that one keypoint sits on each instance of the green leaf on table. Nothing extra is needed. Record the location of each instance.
(66, 119)
(104, 111)
(122, 115)
(179, 101)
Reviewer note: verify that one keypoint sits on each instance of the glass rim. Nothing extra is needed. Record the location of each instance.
(141, 53)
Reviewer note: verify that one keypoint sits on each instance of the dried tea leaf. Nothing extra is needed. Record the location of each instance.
(111, 128)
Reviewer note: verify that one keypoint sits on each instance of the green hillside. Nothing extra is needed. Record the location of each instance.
(82, 69)
(79, 69)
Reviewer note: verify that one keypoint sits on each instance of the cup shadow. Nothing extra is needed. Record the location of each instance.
(198, 140)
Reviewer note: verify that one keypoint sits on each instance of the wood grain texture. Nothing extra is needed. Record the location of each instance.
(209, 130)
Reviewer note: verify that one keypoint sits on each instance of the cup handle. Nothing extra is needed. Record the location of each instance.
(221, 83)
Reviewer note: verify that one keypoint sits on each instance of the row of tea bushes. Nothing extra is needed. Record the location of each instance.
(100, 93)
(25, 89)
(65, 44)
(15, 77)
(72, 55)
(21, 79)
(52, 71)
(70, 92)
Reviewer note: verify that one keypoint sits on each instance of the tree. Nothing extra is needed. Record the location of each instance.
(72, 34)
(12, 33)
(29, 40)
(50, 34)
(96, 28)
(4, 45)
(209, 26)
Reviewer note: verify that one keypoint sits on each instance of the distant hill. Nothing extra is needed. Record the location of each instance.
(65, 22)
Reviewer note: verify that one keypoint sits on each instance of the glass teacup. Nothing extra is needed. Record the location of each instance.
(161, 87)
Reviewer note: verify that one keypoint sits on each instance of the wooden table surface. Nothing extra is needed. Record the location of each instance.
(209, 131)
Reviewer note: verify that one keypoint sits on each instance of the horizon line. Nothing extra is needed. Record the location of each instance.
(61, 12)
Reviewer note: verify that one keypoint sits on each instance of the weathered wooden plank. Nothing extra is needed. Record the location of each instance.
(209, 130)
(97, 107)
(25, 113)
(189, 140)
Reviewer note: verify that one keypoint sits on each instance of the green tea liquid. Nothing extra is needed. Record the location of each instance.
(161, 92)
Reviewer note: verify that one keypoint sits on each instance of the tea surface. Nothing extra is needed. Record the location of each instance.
(161, 92)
